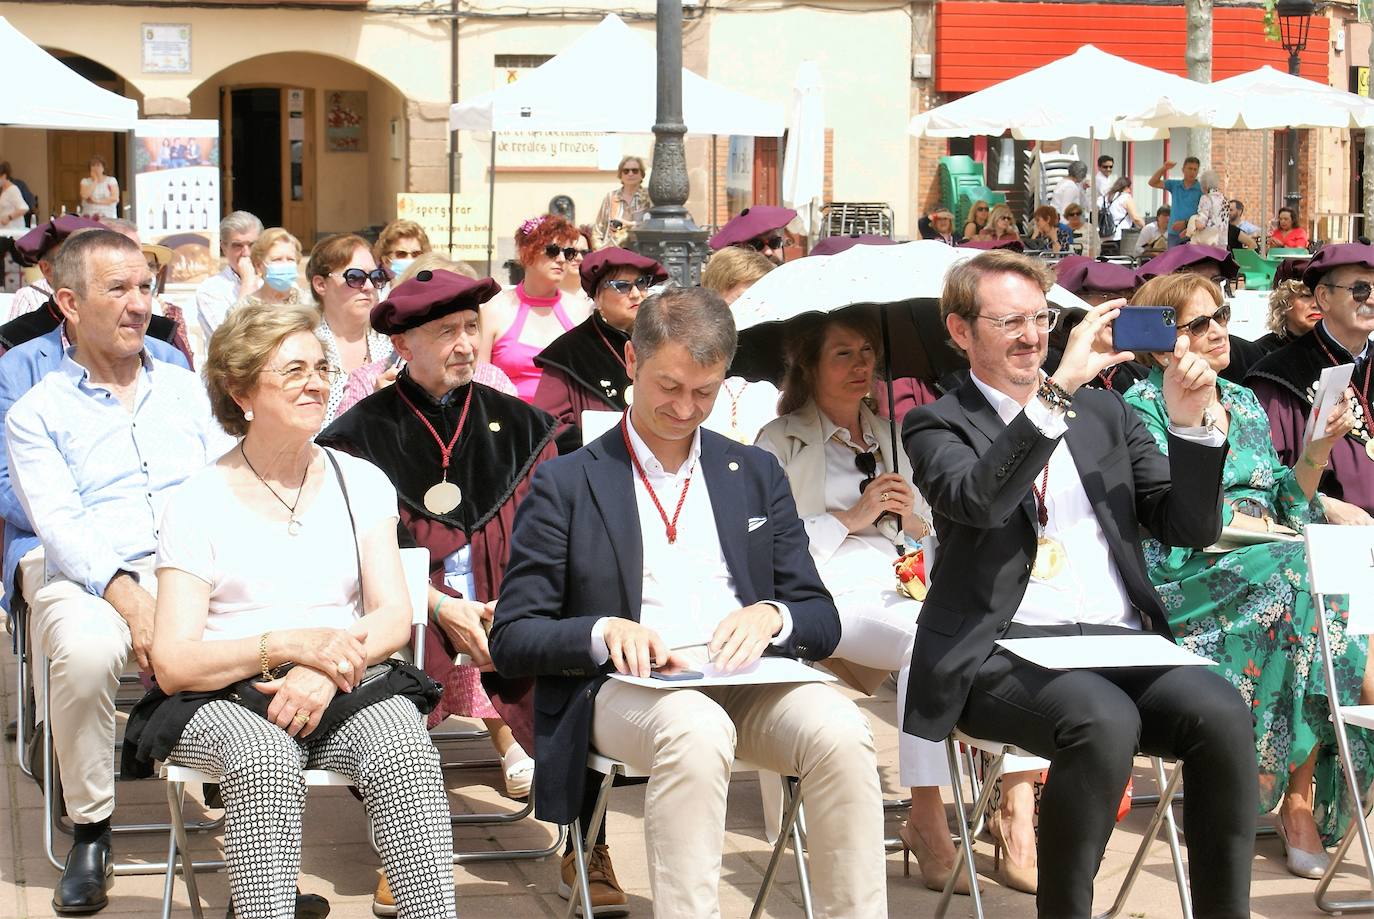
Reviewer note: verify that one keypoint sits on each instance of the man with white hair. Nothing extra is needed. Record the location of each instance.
(1071, 189)
(216, 296)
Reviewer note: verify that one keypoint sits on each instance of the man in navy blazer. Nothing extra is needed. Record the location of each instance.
(20, 368)
(661, 546)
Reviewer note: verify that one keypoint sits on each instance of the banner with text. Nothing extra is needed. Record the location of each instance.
(431, 212)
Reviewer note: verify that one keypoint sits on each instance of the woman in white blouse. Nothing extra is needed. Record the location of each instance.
(860, 510)
(283, 552)
(99, 192)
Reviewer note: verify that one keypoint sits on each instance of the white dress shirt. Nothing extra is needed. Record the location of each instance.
(215, 297)
(831, 539)
(688, 588)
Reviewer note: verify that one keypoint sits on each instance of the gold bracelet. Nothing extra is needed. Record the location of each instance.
(262, 657)
(1308, 460)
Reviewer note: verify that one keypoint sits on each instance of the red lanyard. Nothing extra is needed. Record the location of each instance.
(445, 450)
(670, 526)
(620, 359)
(1042, 510)
(1360, 390)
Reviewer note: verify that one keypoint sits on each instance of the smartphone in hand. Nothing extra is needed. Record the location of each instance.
(1145, 328)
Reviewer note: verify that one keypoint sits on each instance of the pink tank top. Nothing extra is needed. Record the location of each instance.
(517, 358)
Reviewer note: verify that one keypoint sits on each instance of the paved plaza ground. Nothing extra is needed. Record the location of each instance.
(338, 862)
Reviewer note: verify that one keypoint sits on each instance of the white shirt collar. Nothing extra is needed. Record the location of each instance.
(829, 429)
(1004, 405)
(650, 462)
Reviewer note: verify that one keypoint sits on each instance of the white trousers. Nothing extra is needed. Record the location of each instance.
(87, 645)
(878, 629)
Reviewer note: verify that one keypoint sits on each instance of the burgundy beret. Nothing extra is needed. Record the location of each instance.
(1078, 273)
(596, 265)
(45, 237)
(1012, 244)
(751, 222)
(833, 245)
(1329, 258)
(428, 296)
(1171, 261)
(1290, 269)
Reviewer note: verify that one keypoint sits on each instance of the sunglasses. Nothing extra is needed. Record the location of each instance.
(356, 277)
(631, 171)
(643, 282)
(402, 253)
(569, 252)
(1201, 324)
(1359, 291)
(867, 464)
(772, 242)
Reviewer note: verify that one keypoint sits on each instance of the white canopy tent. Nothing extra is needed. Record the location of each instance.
(803, 162)
(540, 101)
(50, 95)
(1106, 90)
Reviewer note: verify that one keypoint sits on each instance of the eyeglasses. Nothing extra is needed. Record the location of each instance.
(402, 253)
(1014, 325)
(631, 171)
(356, 277)
(643, 282)
(1201, 324)
(867, 464)
(580, 254)
(1359, 291)
(772, 242)
(980, 210)
(297, 375)
(568, 252)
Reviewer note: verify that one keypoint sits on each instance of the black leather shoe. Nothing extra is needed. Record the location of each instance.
(308, 906)
(85, 883)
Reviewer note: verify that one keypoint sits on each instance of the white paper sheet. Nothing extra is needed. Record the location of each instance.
(768, 670)
(1332, 383)
(1074, 652)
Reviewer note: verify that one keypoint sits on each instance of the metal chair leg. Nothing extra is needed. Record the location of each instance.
(1163, 814)
(180, 843)
(583, 894)
(787, 830)
(965, 845)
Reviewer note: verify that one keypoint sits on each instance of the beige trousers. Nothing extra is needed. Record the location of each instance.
(87, 644)
(687, 739)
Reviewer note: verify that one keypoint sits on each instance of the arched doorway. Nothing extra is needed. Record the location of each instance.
(311, 142)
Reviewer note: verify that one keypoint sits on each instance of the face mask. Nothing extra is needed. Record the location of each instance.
(281, 276)
(399, 265)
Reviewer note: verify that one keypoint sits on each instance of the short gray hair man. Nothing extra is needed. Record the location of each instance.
(237, 223)
(694, 317)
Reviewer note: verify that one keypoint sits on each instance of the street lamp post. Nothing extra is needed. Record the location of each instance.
(1295, 22)
(668, 233)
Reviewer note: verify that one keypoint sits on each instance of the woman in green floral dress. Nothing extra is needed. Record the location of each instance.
(1249, 608)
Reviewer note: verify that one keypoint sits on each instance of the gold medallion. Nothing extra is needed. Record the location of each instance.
(1049, 559)
(442, 498)
(630, 394)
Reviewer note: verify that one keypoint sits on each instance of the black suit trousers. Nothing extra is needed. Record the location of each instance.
(1090, 724)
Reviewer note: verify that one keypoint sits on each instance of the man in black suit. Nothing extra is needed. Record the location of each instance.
(1039, 489)
(658, 546)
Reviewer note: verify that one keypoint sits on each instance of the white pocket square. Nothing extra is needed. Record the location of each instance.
(756, 522)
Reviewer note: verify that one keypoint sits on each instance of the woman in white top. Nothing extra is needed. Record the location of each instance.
(280, 553)
(860, 508)
(345, 280)
(1120, 204)
(99, 192)
(1209, 225)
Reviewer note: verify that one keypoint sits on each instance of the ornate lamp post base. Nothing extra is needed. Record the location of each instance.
(676, 242)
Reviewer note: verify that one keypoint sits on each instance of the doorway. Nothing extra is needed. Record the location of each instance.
(256, 132)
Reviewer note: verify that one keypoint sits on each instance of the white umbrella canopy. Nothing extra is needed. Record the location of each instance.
(803, 162)
(540, 101)
(49, 94)
(1265, 99)
(1106, 90)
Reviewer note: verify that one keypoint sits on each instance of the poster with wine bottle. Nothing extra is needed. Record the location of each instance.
(176, 192)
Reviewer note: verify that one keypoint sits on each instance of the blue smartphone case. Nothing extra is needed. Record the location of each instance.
(1144, 328)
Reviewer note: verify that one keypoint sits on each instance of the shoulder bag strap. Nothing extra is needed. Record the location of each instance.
(352, 524)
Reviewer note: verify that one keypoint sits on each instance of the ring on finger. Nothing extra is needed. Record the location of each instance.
(344, 667)
(301, 718)
(883, 496)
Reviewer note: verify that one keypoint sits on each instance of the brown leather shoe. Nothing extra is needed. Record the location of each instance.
(608, 899)
(383, 903)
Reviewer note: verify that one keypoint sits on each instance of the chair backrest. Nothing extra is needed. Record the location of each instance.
(415, 563)
(1340, 560)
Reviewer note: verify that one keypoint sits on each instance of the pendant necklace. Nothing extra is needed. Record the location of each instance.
(1049, 553)
(293, 525)
(629, 394)
(444, 496)
(1368, 420)
(670, 526)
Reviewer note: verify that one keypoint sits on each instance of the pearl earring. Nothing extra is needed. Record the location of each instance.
(248, 415)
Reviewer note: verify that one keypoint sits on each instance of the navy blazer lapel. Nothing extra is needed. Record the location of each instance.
(985, 418)
(612, 487)
(729, 502)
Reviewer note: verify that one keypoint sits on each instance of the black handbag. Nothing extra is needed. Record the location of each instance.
(382, 681)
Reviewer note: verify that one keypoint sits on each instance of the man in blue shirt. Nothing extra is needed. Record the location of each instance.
(1184, 196)
(94, 449)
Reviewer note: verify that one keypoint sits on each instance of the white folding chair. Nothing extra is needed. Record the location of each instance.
(416, 565)
(1340, 560)
(971, 824)
(790, 830)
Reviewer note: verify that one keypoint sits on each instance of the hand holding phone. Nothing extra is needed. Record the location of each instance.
(1145, 328)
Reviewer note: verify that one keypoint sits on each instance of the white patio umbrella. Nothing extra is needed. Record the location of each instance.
(803, 161)
(1106, 90)
(46, 93)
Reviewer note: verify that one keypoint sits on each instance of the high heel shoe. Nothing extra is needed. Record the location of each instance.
(1302, 863)
(933, 872)
(1025, 878)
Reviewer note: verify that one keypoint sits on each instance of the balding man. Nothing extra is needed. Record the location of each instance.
(94, 448)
